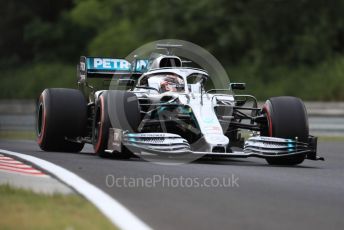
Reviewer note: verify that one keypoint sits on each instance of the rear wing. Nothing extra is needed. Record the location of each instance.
(99, 67)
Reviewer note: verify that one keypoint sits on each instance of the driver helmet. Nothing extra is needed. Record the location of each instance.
(171, 83)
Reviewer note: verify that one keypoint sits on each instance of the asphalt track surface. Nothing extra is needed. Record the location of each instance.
(309, 196)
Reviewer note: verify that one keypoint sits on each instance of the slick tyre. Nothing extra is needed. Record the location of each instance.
(114, 109)
(61, 117)
(287, 118)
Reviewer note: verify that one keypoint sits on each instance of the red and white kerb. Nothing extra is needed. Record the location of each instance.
(9, 164)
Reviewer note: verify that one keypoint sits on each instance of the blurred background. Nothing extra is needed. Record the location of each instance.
(278, 47)
(292, 47)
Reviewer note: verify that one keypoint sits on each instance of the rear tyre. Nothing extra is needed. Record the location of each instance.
(287, 118)
(61, 115)
(114, 109)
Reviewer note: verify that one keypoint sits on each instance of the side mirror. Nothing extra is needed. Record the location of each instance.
(239, 86)
(126, 82)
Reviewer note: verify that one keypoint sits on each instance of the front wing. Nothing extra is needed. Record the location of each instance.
(174, 145)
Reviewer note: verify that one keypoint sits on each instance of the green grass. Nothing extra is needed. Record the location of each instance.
(331, 139)
(21, 209)
(23, 135)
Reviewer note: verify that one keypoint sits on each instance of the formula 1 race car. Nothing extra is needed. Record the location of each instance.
(159, 106)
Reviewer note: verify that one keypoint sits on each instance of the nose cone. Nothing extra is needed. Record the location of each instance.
(216, 139)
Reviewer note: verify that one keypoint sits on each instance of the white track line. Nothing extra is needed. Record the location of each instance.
(112, 209)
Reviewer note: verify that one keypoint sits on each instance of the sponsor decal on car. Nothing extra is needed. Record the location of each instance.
(110, 64)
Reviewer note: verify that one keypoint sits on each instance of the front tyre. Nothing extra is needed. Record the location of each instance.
(287, 118)
(61, 117)
(101, 126)
(114, 109)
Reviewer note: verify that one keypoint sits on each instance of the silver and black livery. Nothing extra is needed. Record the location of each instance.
(160, 106)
